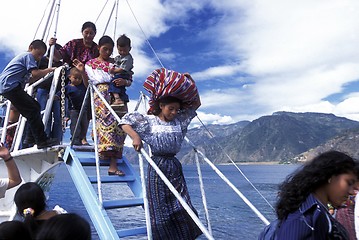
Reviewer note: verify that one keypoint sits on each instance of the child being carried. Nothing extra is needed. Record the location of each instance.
(122, 69)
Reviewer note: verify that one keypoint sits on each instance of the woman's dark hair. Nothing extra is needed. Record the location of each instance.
(311, 176)
(30, 197)
(164, 100)
(88, 25)
(14, 230)
(105, 40)
(65, 227)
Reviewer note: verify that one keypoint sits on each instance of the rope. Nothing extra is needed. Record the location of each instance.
(224, 178)
(145, 199)
(177, 195)
(98, 174)
(42, 18)
(101, 11)
(204, 199)
(108, 21)
(144, 34)
(48, 19)
(240, 171)
(114, 31)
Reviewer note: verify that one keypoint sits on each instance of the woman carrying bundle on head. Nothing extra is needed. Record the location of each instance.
(164, 130)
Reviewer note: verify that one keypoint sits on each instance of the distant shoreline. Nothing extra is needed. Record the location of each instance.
(252, 163)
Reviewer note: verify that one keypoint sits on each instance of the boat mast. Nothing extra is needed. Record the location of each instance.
(52, 49)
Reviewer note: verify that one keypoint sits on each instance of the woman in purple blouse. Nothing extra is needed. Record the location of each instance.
(82, 49)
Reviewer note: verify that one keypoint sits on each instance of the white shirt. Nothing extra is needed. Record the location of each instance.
(4, 183)
(356, 215)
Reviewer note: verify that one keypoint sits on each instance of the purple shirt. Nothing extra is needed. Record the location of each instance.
(76, 49)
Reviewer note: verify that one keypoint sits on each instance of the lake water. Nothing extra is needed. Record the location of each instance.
(230, 217)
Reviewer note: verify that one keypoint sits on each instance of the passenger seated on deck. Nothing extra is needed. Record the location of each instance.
(304, 196)
(65, 227)
(14, 177)
(75, 92)
(30, 201)
(21, 70)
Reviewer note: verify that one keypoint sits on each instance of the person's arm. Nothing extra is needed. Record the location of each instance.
(136, 140)
(81, 67)
(12, 170)
(36, 74)
(196, 104)
(57, 55)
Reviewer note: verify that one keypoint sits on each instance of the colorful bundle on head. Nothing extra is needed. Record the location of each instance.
(163, 82)
(28, 211)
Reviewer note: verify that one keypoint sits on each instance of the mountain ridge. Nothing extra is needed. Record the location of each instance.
(284, 137)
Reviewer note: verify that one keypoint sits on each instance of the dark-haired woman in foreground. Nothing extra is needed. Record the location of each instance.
(302, 208)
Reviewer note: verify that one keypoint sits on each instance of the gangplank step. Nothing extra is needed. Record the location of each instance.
(123, 203)
(91, 161)
(113, 179)
(131, 232)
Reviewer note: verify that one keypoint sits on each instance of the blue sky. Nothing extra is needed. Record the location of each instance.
(249, 58)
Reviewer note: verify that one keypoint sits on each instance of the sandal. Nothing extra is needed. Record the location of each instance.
(84, 142)
(117, 172)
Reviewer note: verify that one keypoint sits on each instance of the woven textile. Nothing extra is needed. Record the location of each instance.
(163, 82)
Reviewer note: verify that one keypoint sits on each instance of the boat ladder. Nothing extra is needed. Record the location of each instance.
(77, 159)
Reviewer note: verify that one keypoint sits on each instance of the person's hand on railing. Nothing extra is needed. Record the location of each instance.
(136, 140)
(137, 143)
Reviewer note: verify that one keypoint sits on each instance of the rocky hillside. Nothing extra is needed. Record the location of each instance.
(279, 137)
(346, 142)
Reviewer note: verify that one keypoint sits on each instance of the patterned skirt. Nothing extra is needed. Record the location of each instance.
(110, 136)
(169, 220)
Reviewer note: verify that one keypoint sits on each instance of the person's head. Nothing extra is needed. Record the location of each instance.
(64, 227)
(167, 107)
(75, 76)
(88, 31)
(331, 177)
(30, 199)
(105, 47)
(38, 49)
(57, 47)
(14, 230)
(123, 45)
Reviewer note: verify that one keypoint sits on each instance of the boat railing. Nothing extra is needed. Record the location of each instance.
(58, 74)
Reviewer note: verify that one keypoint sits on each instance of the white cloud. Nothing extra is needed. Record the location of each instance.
(268, 55)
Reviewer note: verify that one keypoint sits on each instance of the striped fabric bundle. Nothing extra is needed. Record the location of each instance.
(163, 82)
